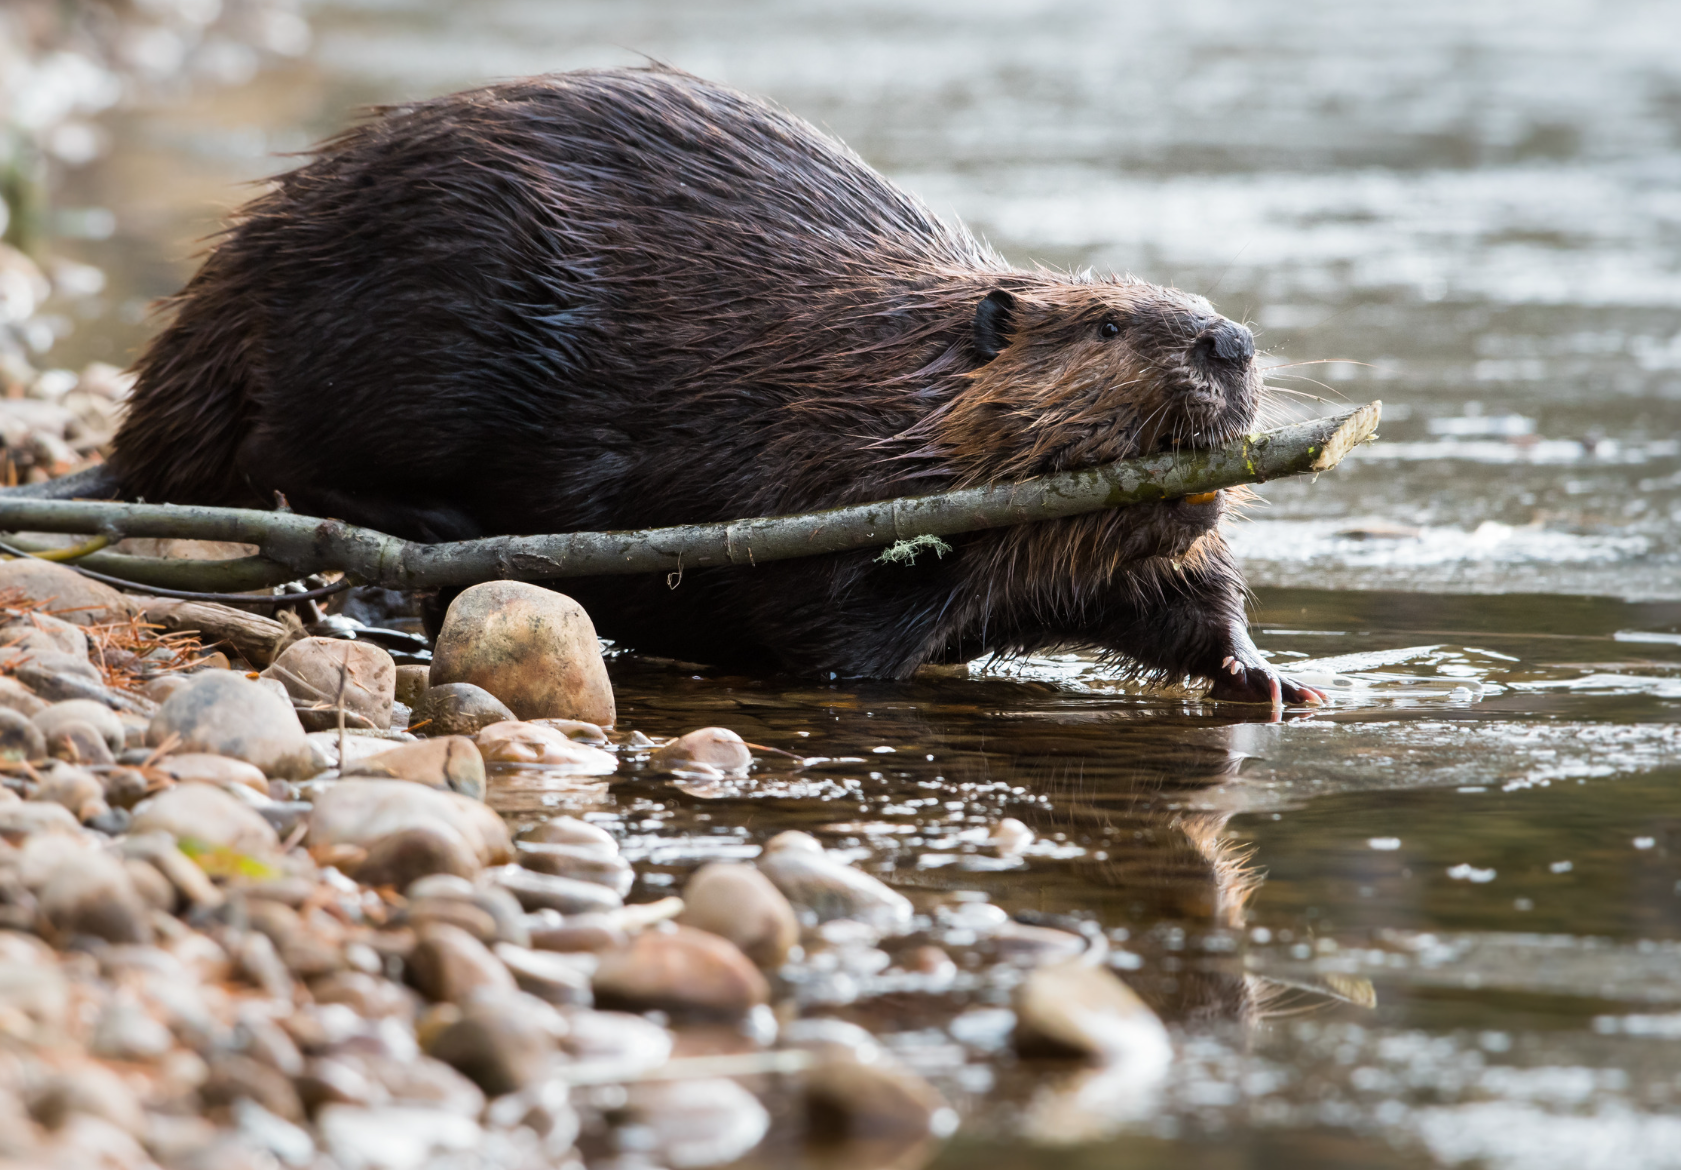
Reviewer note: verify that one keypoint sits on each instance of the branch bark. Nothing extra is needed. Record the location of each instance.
(295, 546)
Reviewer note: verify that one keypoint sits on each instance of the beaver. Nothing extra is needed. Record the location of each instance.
(612, 299)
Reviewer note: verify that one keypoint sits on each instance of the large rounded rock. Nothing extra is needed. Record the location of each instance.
(830, 888)
(64, 593)
(449, 761)
(227, 714)
(321, 673)
(1072, 1009)
(406, 830)
(460, 709)
(683, 970)
(737, 902)
(531, 647)
(204, 816)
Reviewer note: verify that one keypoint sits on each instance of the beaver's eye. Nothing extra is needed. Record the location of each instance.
(1108, 330)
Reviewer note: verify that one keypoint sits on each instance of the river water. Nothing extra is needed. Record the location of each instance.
(1437, 923)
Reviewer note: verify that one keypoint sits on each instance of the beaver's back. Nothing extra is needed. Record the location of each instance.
(499, 310)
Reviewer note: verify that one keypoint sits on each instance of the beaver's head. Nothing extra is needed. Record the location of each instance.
(1076, 373)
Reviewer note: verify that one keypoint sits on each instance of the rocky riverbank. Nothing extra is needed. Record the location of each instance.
(255, 909)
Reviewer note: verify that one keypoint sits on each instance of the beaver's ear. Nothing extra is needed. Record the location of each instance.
(994, 317)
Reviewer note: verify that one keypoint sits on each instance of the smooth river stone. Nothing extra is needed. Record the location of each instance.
(226, 714)
(531, 647)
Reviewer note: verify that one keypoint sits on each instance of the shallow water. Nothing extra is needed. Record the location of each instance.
(1436, 923)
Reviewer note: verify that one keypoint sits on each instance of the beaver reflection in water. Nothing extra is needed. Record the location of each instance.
(626, 298)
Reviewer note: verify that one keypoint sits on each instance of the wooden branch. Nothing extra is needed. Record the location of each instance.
(299, 545)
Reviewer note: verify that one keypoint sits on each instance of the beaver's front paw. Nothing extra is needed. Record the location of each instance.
(1241, 681)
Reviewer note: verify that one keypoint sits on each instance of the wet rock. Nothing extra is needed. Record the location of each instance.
(628, 1044)
(221, 771)
(551, 977)
(858, 1092)
(572, 831)
(830, 888)
(580, 863)
(409, 687)
(499, 1044)
(321, 674)
(1010, 837)
(542, 891)
(84, 711)
(460, 709)
(87, 891)
(702, 1122)
(514, 742)
(14, 696)
(201, 816)
(534, 649)
(1028, 945)
(76, 789)
(737, 902)
(227, 714)
(576, 730)
(450, 761)
(680, 969)
(64, 592)
(20, 738)
(448, 965)
(394, 1137)
(709, 751)
(1075, 1010)
(405, 831)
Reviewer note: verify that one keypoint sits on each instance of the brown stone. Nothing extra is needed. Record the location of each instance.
(322, 673)
(448, 965)
(1072, 1009)
(362, 813)
(449, 761)
(531, 647)
(706, 749)
(411, 684)
(737, 902)
(460, 709)
(681, 969)
(515, 742)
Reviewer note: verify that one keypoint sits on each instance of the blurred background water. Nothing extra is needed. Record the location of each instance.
(1469, 209)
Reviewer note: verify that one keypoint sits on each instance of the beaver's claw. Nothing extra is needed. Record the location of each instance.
(1239, 681)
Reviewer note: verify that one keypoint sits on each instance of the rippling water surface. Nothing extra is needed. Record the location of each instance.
(1438, 923)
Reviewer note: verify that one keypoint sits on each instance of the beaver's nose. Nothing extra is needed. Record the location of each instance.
(1225, 343)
